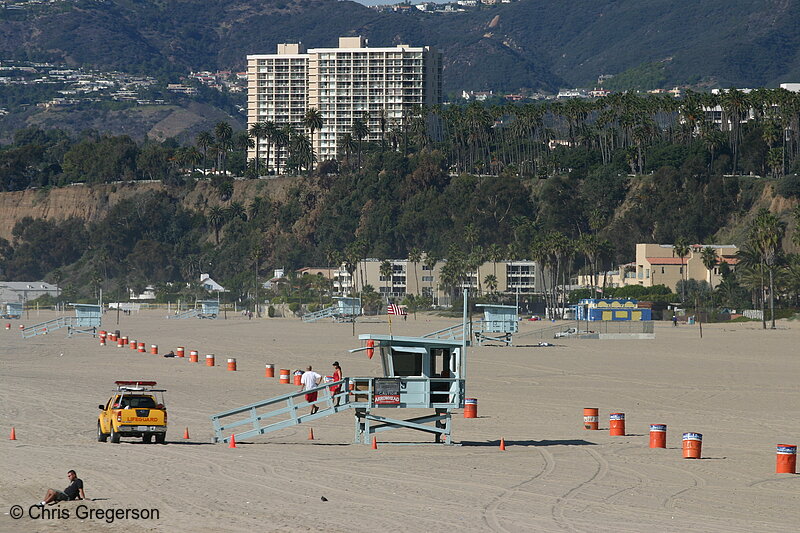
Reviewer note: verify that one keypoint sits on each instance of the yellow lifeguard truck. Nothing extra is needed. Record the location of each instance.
(135, 409)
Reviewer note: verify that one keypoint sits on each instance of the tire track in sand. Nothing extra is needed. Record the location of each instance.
(489, 512)
(557, 510)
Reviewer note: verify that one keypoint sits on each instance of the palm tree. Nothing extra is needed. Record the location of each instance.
(491, 282)
(495, 254)
(301, 153)
(224, 136)
(429, 263)
(204, 141)
(415, 256)
(347, 145)
(359, 130)
(281, 139)
(257, 132)
(682, 249)
(709, 257)
(236, 210)
(386, 274)
(216, 217)
(313, 121)
(767, 235)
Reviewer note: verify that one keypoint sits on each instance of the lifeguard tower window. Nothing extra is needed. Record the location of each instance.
(407, 361)
(441, 362)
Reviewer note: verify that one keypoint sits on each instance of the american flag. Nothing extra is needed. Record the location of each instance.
(395, 309)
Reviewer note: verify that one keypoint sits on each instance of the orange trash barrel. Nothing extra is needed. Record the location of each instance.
(210, 359)
(119, 342)
(193, 356)
(140, 347)
(298, 377)
(284, 376)
(232, 364)
(8, 325)
(133, 345)
(786, 459)
(124, 340)
(616, 424)
(102, 333)
(180, 352)
(590, 417)
(269, 371)
(658, 435)
(692, 445)
(154, 349)
(470, 408)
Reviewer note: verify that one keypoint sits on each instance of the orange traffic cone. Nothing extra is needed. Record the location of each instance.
(233, 442)
(502, 444)
(374, 443)
(186, 433)
(311, 434)
(13, 435)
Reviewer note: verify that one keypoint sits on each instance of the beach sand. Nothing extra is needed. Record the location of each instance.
(739, 386)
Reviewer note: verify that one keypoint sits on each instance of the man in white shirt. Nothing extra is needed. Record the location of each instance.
(309, 381)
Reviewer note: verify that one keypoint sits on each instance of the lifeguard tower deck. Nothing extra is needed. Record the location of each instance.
(87, 319)
(499, 324)
(418, 373)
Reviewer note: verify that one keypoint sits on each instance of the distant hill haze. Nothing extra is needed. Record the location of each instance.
(531, 44)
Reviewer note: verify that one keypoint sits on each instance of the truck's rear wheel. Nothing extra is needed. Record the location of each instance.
(101, 437)
(161, 438)
(114, 436)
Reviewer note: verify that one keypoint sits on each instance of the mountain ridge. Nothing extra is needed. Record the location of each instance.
(540, 45)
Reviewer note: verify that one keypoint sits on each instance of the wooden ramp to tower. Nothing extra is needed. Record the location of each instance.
(499, 324)
(87, 319)
(418, 373)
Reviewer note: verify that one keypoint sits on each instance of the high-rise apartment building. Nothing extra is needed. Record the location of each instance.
(377, 85)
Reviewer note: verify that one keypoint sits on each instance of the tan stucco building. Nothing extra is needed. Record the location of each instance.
(344, 84)
(657, 264)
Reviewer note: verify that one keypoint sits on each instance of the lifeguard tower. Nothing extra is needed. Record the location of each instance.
(207, 309)
(344, 309)
(87, 319)
(12, 310)
(499, 324)
(418, 373)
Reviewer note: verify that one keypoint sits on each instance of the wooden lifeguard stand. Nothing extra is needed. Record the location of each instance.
(208, 309)
(345, 309)
(12, 310)
(499, 324)
(87, 319)
(418, 373)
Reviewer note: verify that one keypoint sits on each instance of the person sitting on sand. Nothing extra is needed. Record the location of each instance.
(309, 381)
(73, 492)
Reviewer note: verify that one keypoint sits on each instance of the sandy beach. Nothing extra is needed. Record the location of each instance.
(739, 386)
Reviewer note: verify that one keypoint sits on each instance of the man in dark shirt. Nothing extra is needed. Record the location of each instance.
(73, 492)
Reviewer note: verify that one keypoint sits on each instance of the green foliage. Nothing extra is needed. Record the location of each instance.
(642, 77)
(789, 186)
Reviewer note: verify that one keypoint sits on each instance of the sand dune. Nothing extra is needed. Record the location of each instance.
(738, 386)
